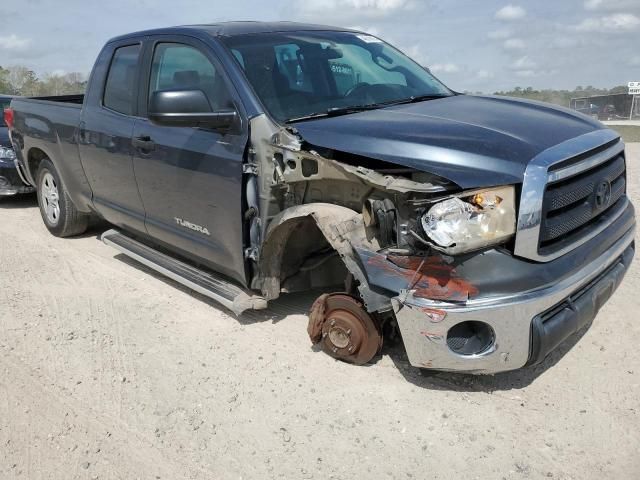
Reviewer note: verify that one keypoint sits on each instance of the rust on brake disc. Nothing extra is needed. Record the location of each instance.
(344, 329)
(316, 319)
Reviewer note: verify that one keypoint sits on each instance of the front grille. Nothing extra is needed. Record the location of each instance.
(572, 205)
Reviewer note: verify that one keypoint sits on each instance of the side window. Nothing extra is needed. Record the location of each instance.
(181, 67)
(120, 87)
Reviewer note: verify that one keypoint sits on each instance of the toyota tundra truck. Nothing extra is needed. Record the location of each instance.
(247, 160)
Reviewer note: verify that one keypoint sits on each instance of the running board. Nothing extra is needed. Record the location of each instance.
(231, 296)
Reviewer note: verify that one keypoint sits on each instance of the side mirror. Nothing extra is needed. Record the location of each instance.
(188, 108)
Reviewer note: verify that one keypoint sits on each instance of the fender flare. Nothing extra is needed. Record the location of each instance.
(80, 195)
(33, 175)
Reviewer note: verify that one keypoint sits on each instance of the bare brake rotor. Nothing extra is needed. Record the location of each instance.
(344, 329)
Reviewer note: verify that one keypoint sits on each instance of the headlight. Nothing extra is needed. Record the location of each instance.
(472, 220)
(7, 153)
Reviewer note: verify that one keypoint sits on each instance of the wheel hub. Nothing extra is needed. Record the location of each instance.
(344, 329)
(338, 337)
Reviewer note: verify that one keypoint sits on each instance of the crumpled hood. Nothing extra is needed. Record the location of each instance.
(470, 140)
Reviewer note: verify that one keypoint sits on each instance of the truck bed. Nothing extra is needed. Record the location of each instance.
(49, 125)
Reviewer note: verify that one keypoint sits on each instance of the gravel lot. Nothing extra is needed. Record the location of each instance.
(109, 371)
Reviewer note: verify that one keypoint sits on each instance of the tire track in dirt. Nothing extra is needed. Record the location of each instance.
(32, 400)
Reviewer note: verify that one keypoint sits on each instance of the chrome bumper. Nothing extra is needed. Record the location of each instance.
(11, 192)
(424, 323)
(11, 182)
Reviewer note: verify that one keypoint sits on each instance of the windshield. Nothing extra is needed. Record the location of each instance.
(299, 74)
(4, 103)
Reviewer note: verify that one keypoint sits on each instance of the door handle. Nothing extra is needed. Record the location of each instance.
(143, 143)
(82, 133)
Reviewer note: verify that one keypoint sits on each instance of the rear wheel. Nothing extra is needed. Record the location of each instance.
(60, 215)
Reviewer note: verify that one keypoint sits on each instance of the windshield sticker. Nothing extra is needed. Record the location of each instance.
(341, 69)
(368, 38)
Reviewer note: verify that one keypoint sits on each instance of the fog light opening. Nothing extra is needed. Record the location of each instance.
(470, 338)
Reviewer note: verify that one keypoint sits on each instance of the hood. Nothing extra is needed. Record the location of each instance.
(4, 137)
(470, 140)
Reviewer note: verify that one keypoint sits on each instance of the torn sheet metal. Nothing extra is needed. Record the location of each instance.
(291, 141)
(388, 182)
(343, 229)
(426, 277)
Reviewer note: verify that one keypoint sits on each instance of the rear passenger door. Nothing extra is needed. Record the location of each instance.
(190, 179)
(105, 135)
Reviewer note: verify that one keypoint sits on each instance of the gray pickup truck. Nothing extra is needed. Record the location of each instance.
(247, 160)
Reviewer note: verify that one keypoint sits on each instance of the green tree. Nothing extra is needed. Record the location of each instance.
(19, 80)
(24, 81)
(5, 84)
(561, 97)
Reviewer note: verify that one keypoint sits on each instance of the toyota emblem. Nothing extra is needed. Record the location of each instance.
(603, 194)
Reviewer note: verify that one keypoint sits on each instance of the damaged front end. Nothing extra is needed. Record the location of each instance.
(343, 203)
(322, 219)
(409, 250)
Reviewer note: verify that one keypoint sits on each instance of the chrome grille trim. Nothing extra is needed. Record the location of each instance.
(537, 176)
(587, 164)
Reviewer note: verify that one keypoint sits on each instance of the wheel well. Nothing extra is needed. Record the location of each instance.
(297, 256)
(309, 261)
(34, 158)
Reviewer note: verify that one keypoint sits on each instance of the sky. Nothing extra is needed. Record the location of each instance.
(472, 45)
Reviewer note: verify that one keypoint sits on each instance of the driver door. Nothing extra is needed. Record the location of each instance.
(190, 179)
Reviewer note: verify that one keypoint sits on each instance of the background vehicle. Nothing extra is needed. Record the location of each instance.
(608, 112)
(10, 181)
(591, 110)
(246, 160)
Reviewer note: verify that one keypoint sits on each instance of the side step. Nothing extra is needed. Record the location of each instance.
(231, 296)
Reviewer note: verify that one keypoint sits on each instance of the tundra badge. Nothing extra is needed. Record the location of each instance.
(192, 226)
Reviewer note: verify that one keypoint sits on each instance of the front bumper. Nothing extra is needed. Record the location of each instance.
(527, 325)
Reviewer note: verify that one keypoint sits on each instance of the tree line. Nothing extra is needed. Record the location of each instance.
(561, 97)
(20, 80)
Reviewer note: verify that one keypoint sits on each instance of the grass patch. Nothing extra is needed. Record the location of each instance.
(629, 133)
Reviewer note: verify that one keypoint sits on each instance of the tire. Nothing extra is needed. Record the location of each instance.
(59, 214)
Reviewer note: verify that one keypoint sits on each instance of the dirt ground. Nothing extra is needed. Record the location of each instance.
(109, 371)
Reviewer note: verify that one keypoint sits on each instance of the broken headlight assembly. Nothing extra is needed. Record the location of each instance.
(472, 220)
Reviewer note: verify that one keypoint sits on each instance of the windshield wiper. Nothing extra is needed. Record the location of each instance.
(419, 98)
(337, 111)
